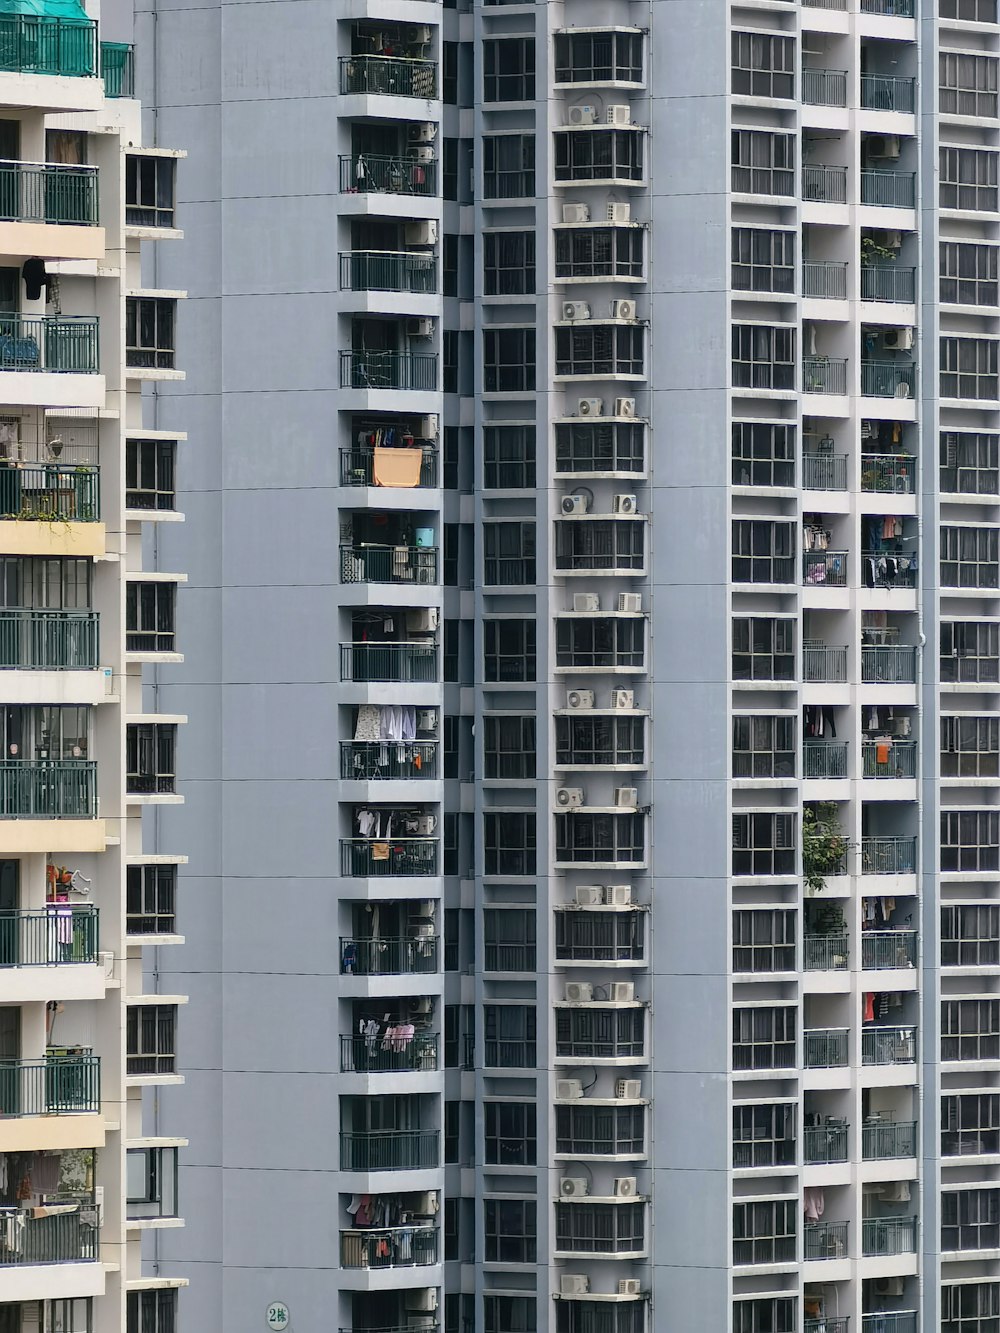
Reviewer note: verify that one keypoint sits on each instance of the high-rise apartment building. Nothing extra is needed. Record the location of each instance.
(594, 642)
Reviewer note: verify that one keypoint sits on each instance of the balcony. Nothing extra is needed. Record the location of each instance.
(392, 1150)
(118, 69)
(824, 472)
(48, 789)
(823, 665)
(825, 1048)
(897, 476)
(389, 1247)
(885, 1140)
(384, 1055)
(388, 76)
(60, 344)
(824, 1240)
(824, 759)
(596, 1032)
(824, 87)
(37, 44)
(900, 9)
(824, 185)
(888, 379)
(886, 949)
(368, 761)
(373, 369)
(822, 1144)
(823, 374)
(888, 856)
(57, 1085)
(888, 1235)
(888, 189)
(374, 859)
(883, 92)
(824, 569)
(58, 934)
(367, 173)
(889, 1046)
(365, 563)
(884, 759)
(888, 569)
(885, 282)
(366, 466)
(39, 192)
(835, 1323)
(403, 956)
(49, 493)
(890, 1321)
(825, 953)
(63, 1238)
(385, 271)
(48, 640)
(371, 663)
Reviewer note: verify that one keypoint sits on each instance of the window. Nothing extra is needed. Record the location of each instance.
(508, 360)
(969, 462)
(968, 273)
(509, 650)
(970, 840)
(75, 1315)
(509, 1036)
(764, 1232)
(970, 1029)
(150, 614)
(763, 65)
(768, 1314)
(594, 1228)
(509, 457)
(763, 747)
(149, 332)
(509, 1314)
(970, 1219)
(970, 747)
(508, 263)
(508, 166)
(599, 252)
(149, 474)
(606, 544)
(764, 940)
(151, 896)
(45, 584)
(763, 162)
(600, 446)
(509, 1133)
(969, 368)
(598, 57)
(763, 551)
(592, 839)
(764, 1135)
(970, 935)
(509, 746)
(449, 73)
(763, 454)
(606, 937)
(510, 842)
(970, 1124)
(970, 1307)
(968, 84)
(591, 643)
(586, 742)
(150, 1039)
(968, 11)
(968, 179)
(149, 749)
(601, 349)
(149, 192)
(583, 1130)
(969, 557)
(764, 1038)
(151, 1182)
(596, 1033)
(582, 1316)
(449, 360)
(599, 155)
(509, 69)
(763, 260)
(763, 357)
(152, 1311)
(970, 651)
(508, 553)
(450, 651)
(764, 844)
(509, 939)
(449, 168)
(763, 648)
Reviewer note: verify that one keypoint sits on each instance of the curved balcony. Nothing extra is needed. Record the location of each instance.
(48, 789)
(48, 640)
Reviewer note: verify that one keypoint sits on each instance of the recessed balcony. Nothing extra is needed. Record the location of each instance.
(824, 1240)
(888, 379)
(386, 1054)
(824, 185)
(822, 664)
(888, 1235)
(57, 1085)
(824, 374)
(825, 1143)
(370, 858)
(890, 1321)
(888, 759)
(884, 92)
(60, 344)
(409, 466)
(889, 1046)
(824, 87)
(889, 856)
(49, 492)
(386, 957)
(48, 640)
(895, 475)
(375, 173)
(48, 789)
(825, 953)
(371, 761)
(825, 1048)
(888, 189)
(389, 662)
(388, 1247)
(884, 1140)
(379, 369)
(385, 271)
(364, 562)
(886, 282)
(388, 76)
(391, 1150)
(62, 1233)
(887, 949)
(824, 759)
(61, 933)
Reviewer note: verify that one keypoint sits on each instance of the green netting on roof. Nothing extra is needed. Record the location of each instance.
(56, 9)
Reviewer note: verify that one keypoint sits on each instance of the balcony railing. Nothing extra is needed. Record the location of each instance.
(388, 662)
(391, 1247)
(374, 859)
(388, 564)
(48, 789)
(901, 9)
(58, 1085)
(888, 379)
(50, 493)
(388, 957)
(893, 1138)
(118, 69)
(824, 87)
(898, 475)
(825, 185)
(385, 1055)
(384, 271)
(369, 760)
(824, 1143)
(885, 92)
(824, 374)
(888, 189)
(888, 856)
(885, 282)
(388, 370)
(37, 44)
(824, 1240)
(824, 569)
(880, 760)
(64, 1238)
(888, 1235)
(888, 949)
(824, 665)
(824, 472)
(824, 759)
(825, 953)
(825, 1048)
(388, 75)
(835, 1324)
(390, 1150)
(889, 1046)
(890, 1321)
(358, 467)
(48, 640)
(36, 192)
(365, 173)
(64, 344)
(60, 933)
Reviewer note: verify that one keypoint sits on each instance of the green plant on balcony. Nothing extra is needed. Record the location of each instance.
(823, 844)
(872, 253)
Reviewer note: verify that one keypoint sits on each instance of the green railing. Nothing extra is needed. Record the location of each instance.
(388, 271)
(62, 343)
(59, 934)
(63, 1239)
(31, 192)
(383, 1053)
(388, 564)
(888, 1235)
(390, 1150)
(58, 1085)
(893, 1138)
(887, 92)
(888, 189)
(49, 640)
(365, 173)
(48, 789)
(388, 957)
(388, 370)
(36, 44)
(389, 75)
(50, 492)
(118, 69)
(885, 282)
(888, 379)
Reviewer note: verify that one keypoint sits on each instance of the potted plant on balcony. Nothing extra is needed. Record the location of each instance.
(823, 845)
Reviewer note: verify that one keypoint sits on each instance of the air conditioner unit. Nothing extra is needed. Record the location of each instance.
(623, 309)
(421, 1300)
(618, 895)
(576, 213)
(589, 895)
(890, 1286)
(568, 1089)
(619, 114)
(888, 240)
(424, 132)
(623, 698)
(629, 1089)
(622, 992)
(630, 601)
(626, 798)
(581, 115)
(429, 427)
(422, 620)
(580, 699)
(575, 310)
(427, 720)
(568, 798)
(590, 407)
(574, 1284)
(629, 1286)
(426, 824)
(586, 601)
(898, 340)
(579, 992)
(883, 145)
(575, 504)
(626, 1187)
(423, 153)
(624, 407)
(421, 233)
(573, 1187)
(423, 1004)
(419, 35)
(420, 328)
(619, 212)
(895, 1191)
(625, 504)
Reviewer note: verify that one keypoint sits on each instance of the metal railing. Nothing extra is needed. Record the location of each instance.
(390, 75)
(388, 370)
(65, 1238)
(824, 759)
(883, 760)
(825, 185)
(66, 344)
(825, 1048)
(894, 475)
(369, 760)
(59, 933)
(58, 1085)
(372, 858)
(38, 44)
(824, 569)
(888, 856)
(365, 173)
(824, 1240)
(388, 564)
(835, 1323)
(49, 640)
(389, 1247)
(118, 69)
(357, 467)
(824, 278)
(888, 1235)
(885, 282)
(824, 87)
(888, 1046)
(824, 374)
(887, 569)
(888, 949)
(371, 1055)
(888, 189)
(890, 1321)
(389, 1150)
(825, 953)
(825, 4)
(824, 665)
(37, 192)
(824, 472)
(887, 92)
(903, 9)
(388, 957)
(824, 1143)
(50, 492)
(892, 1138)
(48, 789)
(388, 662)
(388, 271)
(888, 379)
